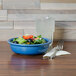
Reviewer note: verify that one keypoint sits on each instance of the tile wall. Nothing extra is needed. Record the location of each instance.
(17, 17)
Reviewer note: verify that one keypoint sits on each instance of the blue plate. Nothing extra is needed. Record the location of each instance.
(29, 49)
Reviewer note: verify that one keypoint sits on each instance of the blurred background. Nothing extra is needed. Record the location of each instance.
(17, 17)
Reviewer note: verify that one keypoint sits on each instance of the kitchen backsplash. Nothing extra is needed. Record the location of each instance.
(17, 18)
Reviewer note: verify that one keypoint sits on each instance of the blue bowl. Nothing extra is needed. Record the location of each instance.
(29, 49)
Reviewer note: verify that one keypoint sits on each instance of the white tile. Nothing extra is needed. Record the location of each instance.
(6, 25)
(0, 4)
(57, 17)
(65, 25)
(39, 11)
(0, 1)
(24, 25)
(24, 17)
(6, 34)
(58, 6)
(3, 14)
(58, 1)
(21, 4)
(65, 34)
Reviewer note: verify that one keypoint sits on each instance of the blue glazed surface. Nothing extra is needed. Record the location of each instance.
(29, 49)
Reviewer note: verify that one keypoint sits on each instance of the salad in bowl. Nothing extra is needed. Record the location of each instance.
(29, 44)
(29, 39)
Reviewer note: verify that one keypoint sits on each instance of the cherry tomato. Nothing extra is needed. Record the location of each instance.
(31, 36)
(28, 36)
(25, 37)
